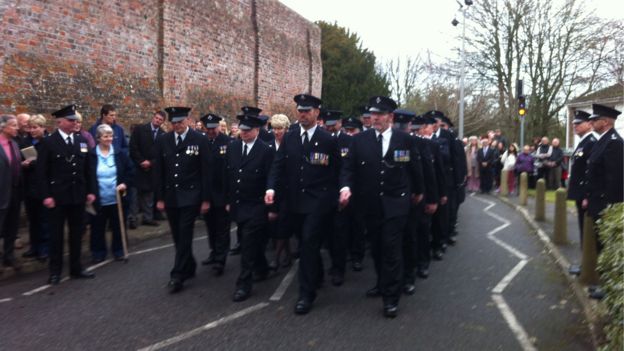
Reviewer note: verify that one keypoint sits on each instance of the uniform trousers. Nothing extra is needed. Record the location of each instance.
(337, 239)
(253, 242)
(410, 243)
(423, 240)
(357, 235)
(386, 237)
(182, 223)
(439, 227)
(218, 228)
(580, 212)
(310, 226)
(75, 216)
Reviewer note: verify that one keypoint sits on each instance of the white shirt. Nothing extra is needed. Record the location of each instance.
(183, 135)
(385, 140)
(65, 135)
(310, 132)
(249, 146)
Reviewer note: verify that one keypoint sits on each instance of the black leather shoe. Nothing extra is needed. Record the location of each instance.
(29, 254)
(357, 266)
(303, 306)
(443, 247)
(236, 250)
(175, 286)
(374, 292)
(437, 255)
(54, 279)
(422, 273)
(218, 269)
(83, 275)
(150, 223)
(409, 289)
(390, 310)
(337, 279)
(241, 295)
(210, 260)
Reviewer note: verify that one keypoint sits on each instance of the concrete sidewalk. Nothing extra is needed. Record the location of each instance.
(28, 265)
(564, 255)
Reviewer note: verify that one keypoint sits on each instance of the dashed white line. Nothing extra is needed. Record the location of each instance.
(497, 297)
(6, 299)
(211, 325)
(281, 289)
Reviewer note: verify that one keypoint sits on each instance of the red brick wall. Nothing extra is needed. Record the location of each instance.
(142, 55)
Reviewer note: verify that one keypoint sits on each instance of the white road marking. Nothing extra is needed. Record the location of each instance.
(281, 289)
(514, 325)
(497, 292)
(211, 325)
(6, 300)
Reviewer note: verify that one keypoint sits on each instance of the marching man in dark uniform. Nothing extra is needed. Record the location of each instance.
(605, 169)
(182, 178)
(249, 160)
(65, 185)
(217, 219)
(306, 168)
(385, 173)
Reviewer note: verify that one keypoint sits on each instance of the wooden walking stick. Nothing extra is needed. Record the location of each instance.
(122, 225)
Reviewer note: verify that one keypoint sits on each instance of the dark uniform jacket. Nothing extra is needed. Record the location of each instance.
(308, 176)
(428, 167)
(247, 178)
(604, 173)
(182, 172)
(123, 165)
(63, 171)
(141, 149)
(445, 145)
(383, 186)
(438, 167)
(266, 136)
(577, 182)
(218, 148)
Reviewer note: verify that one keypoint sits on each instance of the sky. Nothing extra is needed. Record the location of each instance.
(402, 28)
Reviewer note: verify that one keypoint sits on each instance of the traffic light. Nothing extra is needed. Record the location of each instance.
(521, 106)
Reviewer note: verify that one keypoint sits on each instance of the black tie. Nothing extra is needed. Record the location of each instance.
(306, 141)
(245, 151)
(179, 140)
(69, 141)
(155, 133)
(380, 142)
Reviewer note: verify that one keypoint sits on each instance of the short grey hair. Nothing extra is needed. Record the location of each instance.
(4, 119)
(103, 129)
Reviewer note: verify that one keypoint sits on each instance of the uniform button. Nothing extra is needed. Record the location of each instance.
(381, 183)
(176, 185)
(240, 170)
(381, 193)
(301, 180)
(237, 201)
(303, 190)
(73, 164)
(74, 173)
(176, 165)
(175, 175)
(382, 172)
(237, 191)
(177, 155)
(238, 180)
(302, 168)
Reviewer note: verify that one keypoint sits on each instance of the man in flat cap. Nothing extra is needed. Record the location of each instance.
(249, 160)
(182, 176)
(217, 219)
(384, 174)
(66, 184)
(306, 168)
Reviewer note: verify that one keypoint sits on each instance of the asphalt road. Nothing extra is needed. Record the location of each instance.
(496, 290)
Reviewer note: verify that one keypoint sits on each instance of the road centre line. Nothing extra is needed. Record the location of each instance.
(180, 337)
(281, 289)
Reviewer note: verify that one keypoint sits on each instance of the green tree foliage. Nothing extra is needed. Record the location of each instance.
(611, 266)
(350, 73)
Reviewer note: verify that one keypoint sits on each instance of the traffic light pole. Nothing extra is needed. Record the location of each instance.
(522, 118)
(461, 78)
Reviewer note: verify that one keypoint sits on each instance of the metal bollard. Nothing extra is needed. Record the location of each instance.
(524, 185)
(589, 273)
(560, 235)
(540, 200)
(504, 187)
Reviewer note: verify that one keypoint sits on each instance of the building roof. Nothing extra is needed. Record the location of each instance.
(613, 93)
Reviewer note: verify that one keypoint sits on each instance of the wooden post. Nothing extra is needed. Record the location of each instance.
(504, 187)
(524, 186)
(589, 273)
(560, 234)
(540, 200)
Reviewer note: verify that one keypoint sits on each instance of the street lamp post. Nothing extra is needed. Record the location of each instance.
(463, 66)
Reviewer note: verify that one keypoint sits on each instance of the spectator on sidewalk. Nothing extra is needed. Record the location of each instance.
(542, 153)
(35, 211)
(11, 180)
(82, 132)
(500, 138)
(473, 165)
(553, 163)
(509, 163)
(142, 144)
(498, 163)
(108, 115)
(524, 163)
(486, 157)
(112, 170)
